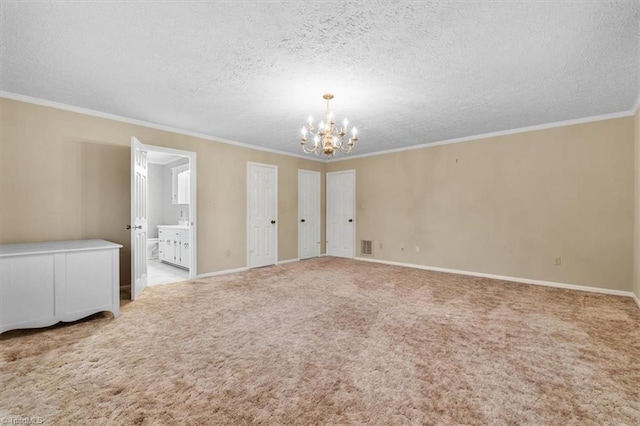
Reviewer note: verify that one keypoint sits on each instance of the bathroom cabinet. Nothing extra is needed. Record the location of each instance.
(173, 245)
(45, 283)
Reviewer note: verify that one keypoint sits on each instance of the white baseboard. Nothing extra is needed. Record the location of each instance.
(225, 272)
(635, 297)
(282, 262)
(512, 279)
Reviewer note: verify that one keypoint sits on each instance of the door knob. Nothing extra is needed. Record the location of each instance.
(301, 220)
(134, 227)
(273, 221)
(350, 220)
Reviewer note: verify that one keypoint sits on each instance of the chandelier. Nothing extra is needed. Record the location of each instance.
(328, 139)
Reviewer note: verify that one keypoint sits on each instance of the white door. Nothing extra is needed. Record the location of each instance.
(308, 214)
(139, 173)
(341, 191)
(262, 228)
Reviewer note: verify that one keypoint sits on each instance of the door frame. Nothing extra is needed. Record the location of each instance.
(319, 208)
(353, 246)
(248, 216)
(193, 207)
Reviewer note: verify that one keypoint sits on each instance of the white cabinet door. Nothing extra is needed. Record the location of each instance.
(168, 246)
(161, 237)
(27, 290)
(176, 246)
(184, 248)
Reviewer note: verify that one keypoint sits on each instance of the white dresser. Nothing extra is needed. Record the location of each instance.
(44, 283)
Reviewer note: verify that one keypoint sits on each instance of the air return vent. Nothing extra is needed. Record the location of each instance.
(366, 247)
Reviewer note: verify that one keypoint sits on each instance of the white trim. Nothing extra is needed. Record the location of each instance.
(505, 278)
(636, 106)
(635, 297)
(94, 113)
(496, 134)
(164, 163)
(282, 262)
(224, 272)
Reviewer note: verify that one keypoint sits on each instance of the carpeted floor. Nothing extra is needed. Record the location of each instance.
(335, 341)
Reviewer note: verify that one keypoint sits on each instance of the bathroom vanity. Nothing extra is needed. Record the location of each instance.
(173, 245)
(45, 283)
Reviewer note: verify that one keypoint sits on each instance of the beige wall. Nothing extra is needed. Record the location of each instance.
(507, 205)
(636, 255)
(65, 175)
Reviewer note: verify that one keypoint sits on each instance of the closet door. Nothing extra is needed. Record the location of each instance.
(262, 200)
(341, 195)
(308, 214)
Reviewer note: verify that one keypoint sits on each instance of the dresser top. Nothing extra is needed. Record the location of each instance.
(7, 250)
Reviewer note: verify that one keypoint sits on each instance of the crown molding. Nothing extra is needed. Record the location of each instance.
(94, 113)
(495, 134)
(636, 106)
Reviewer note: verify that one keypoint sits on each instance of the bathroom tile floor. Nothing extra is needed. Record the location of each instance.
(161, 273)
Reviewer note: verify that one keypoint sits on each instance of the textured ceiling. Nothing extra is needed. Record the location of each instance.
(404, 72)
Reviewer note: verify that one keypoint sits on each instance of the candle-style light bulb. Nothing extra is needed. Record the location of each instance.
(322, 124)
(354, 131)
(304, 131)
(310, 120)
(344, 123)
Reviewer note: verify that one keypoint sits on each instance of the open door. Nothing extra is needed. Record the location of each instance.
(139, 174)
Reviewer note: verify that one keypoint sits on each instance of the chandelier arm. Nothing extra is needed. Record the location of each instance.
(308, 150)
(346, 150)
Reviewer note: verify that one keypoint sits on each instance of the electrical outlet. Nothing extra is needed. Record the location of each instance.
(557, 261)
(417, 249)
(380, 246)
(227, 253)
(401, 248)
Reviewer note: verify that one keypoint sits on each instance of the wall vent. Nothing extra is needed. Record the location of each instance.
(366, 247)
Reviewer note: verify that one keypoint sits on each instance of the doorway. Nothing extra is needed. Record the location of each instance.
(166, 200)
(341, 191)
(262, 212)
(308, 214)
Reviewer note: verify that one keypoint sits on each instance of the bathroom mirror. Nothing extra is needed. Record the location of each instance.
(180, 184)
